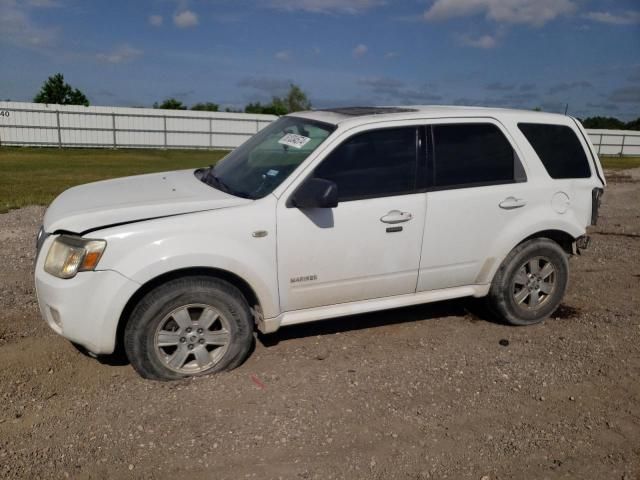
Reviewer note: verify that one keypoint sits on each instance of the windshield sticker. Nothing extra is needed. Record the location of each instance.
(293, 140)
(273, 173)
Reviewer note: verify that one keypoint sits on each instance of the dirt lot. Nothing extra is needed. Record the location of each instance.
(425, 392)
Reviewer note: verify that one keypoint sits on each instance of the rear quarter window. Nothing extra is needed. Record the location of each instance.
(558, 148)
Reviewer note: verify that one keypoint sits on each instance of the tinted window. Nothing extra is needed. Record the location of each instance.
(472, 154)
(558, 148)
(373, 164)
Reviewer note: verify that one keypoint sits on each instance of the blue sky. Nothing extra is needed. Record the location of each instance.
(517, 53)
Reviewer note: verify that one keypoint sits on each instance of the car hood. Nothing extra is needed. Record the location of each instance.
(131, 199)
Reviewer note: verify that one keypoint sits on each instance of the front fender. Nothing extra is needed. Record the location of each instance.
(146, 250)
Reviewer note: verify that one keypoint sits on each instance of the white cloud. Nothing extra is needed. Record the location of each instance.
(18, 28)
(392, 90)
(625, 95)
(630, 17)
(381, 84)
(122, 54)
(43, 3)
(483, 41)
(270, 85)
(531, 12)
(390, 55)
(326, 6)
(185, 19)
(156, 20)
(567, 86)
(360, 50)
(283, 56)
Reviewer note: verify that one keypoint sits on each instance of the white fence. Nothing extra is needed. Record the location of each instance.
(615, 142)
(37, 124)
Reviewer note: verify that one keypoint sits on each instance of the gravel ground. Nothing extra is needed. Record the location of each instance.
(423, 392)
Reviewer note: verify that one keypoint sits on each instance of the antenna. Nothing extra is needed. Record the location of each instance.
(566, 109)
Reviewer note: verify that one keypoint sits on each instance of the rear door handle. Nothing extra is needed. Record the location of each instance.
(396, 216)
(510, 203)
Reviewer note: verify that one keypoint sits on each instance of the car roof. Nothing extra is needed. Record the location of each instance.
(354, 116)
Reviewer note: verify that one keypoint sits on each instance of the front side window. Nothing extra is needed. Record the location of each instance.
(471, 155)
(258, 166)
(376, 163)
(558, 148)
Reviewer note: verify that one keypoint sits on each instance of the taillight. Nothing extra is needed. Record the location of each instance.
(596, 200)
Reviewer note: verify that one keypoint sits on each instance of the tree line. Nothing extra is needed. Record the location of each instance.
(611, 123)
(56, 90)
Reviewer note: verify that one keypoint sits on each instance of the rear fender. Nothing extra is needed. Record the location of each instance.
(537, 220)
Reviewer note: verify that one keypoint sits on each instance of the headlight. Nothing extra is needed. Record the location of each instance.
(69, 255)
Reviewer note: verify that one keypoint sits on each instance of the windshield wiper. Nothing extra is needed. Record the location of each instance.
(210, 178)
(218, 183)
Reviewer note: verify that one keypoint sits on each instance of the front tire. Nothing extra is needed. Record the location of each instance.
(530, 283)
(189, 326)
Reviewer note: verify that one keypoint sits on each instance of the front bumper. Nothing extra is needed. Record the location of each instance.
(86, 308)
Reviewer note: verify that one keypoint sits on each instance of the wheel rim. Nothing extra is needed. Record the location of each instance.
(192, 338)
(534, 283)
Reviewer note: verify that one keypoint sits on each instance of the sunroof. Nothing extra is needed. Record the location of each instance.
(358, 111)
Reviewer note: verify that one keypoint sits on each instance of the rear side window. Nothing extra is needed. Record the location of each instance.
(471, 155)
(558, 148)
(377, 163)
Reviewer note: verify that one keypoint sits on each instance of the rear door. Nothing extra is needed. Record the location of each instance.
(477, 187)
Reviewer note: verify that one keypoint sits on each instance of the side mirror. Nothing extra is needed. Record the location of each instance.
(316, 193)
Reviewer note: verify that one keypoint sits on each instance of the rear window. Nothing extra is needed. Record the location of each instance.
(471, 155)
(558, 148)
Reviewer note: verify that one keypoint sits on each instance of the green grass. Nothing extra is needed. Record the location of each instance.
(619, 163)
(35, 176)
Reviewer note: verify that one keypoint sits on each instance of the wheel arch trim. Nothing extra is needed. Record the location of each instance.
(563, 234)
(247, 291)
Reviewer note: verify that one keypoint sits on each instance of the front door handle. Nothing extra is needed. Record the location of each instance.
(510, 203)
(396, 216)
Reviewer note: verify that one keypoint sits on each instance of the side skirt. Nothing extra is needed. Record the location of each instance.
(270, 325)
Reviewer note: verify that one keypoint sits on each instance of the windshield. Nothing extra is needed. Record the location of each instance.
(258, 166)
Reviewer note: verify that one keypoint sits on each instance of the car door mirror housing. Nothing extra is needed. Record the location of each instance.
(316, 193)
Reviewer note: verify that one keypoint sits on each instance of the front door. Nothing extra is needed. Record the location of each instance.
(369, 245)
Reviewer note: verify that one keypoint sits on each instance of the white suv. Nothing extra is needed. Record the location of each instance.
(319, 215)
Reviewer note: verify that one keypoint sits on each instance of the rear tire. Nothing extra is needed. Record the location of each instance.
(530, 283)
(189, 326)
